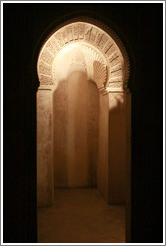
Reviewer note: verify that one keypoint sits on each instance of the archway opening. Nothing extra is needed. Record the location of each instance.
(83, 131)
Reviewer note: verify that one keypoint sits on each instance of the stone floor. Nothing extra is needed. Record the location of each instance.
(81, 216)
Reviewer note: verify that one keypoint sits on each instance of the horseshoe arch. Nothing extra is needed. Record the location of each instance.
(105, 57)
(91, 47)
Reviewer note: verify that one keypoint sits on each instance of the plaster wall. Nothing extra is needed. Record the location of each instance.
(76, 112)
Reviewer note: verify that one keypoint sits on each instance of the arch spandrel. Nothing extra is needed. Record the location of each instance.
(104, 61)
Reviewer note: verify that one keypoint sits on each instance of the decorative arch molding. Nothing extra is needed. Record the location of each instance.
(83, 44)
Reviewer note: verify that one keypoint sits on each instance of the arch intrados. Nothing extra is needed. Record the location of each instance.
(103, 46)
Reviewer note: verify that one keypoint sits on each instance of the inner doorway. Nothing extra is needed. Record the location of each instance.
(83, 108)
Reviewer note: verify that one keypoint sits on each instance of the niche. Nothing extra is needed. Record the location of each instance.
(83, 114)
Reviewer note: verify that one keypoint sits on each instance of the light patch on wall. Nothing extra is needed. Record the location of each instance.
(66, 49)
(116, 101)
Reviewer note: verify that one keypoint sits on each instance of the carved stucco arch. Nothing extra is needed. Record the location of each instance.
(88, 45)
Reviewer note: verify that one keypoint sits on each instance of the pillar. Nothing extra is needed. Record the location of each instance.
(119, 119)
(102, 167)
(45, 186)
(128, 168)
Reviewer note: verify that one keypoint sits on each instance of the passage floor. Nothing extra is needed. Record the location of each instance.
(81, 216)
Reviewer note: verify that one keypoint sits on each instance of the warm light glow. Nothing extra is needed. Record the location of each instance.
(66, 49)
(80, 56)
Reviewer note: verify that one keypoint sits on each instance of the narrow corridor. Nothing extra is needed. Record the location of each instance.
(81, 216)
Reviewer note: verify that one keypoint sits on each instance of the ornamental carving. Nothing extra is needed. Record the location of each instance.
(103, 60)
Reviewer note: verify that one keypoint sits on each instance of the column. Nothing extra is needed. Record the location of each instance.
(45, 184)
(118, 119)
(102, 167)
